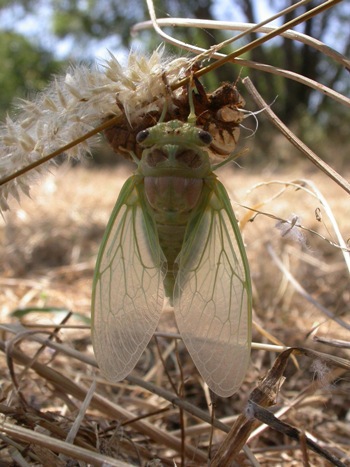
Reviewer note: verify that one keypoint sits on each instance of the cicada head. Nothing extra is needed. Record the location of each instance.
(175, 147)
(218, 113)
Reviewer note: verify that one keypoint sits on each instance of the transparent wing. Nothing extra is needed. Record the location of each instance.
(127, 294)
(212, 297)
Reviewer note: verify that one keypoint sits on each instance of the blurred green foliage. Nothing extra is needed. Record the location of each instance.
(25, 68)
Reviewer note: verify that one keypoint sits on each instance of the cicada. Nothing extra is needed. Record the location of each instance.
(173, 233)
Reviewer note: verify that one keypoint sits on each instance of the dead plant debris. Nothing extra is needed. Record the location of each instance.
(57, 410)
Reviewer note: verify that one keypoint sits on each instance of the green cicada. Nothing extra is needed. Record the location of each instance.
(173, 234)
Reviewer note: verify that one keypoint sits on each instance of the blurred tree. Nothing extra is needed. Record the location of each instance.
(25, 68)
(101, 18)
(300, 58)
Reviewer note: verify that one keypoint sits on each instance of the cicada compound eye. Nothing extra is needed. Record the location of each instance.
(142, 136)
(205, 137)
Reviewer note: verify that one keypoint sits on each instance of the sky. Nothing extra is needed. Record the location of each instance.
(37, 28)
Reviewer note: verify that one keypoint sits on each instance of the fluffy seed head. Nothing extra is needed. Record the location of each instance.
(76, 103)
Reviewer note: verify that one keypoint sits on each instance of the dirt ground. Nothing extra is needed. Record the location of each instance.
(300, 292)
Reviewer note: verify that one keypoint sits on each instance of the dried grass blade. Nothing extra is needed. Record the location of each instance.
(333, 174)
(267, 417)
(167, 395)
(264, 396)
(257, 42)
(29, 167)
(245, 28)
(298, 287)
(56, 445)
(106, 407)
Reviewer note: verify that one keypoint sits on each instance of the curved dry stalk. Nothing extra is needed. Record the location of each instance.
(340, 344)
(313, 191)
(307, 187)
(328, 170)
(293, 223)
(272, 32)
(246, 28)
(342, 243)
(298, 78)
(300, 289)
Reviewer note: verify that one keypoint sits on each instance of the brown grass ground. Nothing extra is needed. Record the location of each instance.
(48, 250)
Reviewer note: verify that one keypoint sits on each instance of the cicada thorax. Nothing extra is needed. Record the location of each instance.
(218, 113)
(175, 172)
